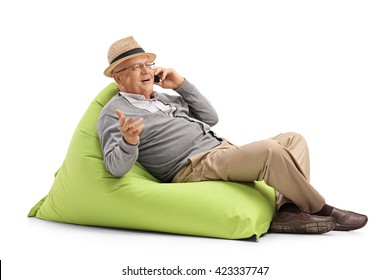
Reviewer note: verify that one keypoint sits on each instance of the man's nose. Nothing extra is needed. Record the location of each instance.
(144, 69)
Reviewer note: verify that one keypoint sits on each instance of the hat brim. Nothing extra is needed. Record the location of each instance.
(109, 69)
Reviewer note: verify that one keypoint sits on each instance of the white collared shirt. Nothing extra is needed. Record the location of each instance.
(152, 106)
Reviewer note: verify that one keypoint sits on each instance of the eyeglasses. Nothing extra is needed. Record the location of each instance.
(138, 66)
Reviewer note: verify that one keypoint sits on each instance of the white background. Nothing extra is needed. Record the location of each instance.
(320, 68)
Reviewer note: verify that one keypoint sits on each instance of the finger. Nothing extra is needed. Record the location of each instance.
(137, 131)
(121, 116)
(138, 122)
(157, 70)
(127, 124)
(164, 74)
(134, 126)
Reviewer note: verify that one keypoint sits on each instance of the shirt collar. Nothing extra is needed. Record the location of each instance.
(139, 97)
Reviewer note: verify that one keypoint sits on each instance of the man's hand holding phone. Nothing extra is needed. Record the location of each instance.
(168, 78)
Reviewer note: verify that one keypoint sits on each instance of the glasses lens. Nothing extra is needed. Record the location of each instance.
(150, 64)
(135, 67)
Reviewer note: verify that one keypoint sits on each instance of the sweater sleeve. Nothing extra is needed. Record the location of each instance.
(200, 108)
(119, 157)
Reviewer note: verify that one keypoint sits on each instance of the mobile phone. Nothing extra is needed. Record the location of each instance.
(156, 78)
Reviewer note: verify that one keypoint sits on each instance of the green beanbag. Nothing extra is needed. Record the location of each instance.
(83, 192)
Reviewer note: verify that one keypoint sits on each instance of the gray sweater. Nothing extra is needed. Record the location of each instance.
(166, 141)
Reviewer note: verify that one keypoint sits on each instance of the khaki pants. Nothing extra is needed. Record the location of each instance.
(282, 162)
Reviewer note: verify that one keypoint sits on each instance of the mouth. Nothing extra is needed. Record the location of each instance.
(145, 80)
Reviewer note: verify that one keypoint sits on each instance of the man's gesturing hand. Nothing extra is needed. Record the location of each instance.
(130, 128)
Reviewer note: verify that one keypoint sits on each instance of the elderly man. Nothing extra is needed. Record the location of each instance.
(171, 136)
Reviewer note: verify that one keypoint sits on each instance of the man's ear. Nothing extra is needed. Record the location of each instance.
(117, 78)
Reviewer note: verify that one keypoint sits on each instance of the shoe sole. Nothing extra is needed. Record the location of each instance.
(302, 227)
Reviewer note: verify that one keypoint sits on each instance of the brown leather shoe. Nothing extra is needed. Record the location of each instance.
(286, 222)
(347, 220)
